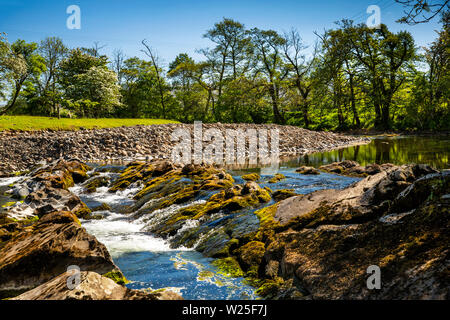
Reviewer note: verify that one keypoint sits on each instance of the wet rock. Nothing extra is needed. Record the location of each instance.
(92, 184)
(277, 178)
(307, 170)
(51, 199)
(328, 239)
(283, 194)
(251, 177)
(92, 287)
(57, 241)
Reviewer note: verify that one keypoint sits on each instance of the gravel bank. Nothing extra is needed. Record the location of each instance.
(22, 150)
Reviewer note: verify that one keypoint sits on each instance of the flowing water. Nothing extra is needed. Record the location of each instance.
(150, 262)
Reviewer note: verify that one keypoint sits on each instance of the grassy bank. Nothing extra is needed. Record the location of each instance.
(29, 123)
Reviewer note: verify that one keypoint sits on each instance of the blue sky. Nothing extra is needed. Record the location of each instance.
(176, 26)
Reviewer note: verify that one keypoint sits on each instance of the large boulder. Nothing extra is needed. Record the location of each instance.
(360, 202)
(46, 249)
(92, 286)
(397, 220)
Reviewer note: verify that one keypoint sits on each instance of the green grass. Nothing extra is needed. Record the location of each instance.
(29, 123)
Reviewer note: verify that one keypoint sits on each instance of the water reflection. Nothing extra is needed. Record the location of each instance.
(434, 151)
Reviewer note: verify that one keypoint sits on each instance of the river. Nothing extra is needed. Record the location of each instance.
(150, 262)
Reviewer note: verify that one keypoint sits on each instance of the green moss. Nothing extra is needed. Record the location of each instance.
(205, 275)
(283, 194)
(117, 277)
(134, 172)
(29, 221)
(251, 177)
(267, 223)
(263, 196)
(227, 249)
(251, 254)
(8, 204)
(102, 207)
(95, 183)
(277, 178)
(269, 288)
(268, 190)
(228, 267)
(83, 211)
(161, 186)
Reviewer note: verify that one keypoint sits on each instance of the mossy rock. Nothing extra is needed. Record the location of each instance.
(277, 178)
(9, 204)
(252, 253)
(83, 211)
(229, 201)
(117, 277)
(161, 186)
(134, 172)
(307, 170)
(102, 207)
(270, 288)
(94, 183)
(251, 177)
(267, 222)
(228, 267)
(283, 194)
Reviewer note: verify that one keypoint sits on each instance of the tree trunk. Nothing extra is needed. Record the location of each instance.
(13, 102)
(278, 118)
(353, 103)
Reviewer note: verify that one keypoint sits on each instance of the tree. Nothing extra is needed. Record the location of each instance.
(422, 11)
(140, 89)
(117, 62)
(385, 56)
(339, 53)
(268, 46)
(187, 88)
(302, 67)
(228, 35)
(19, 63)
(99, 87)
(76, 63)
(53, 50)
(158, 70)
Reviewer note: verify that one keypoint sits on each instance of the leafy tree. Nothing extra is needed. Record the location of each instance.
(19, 62)
(268, 45)
(98, 86)
(76, 63)
(422, 11)
(301, 68)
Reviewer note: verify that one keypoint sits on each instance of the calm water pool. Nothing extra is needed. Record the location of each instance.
(432, 150)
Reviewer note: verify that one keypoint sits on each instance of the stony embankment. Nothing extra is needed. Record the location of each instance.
(20, 151)
(41, 236)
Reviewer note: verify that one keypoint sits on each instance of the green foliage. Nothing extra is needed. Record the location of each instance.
(355, 78)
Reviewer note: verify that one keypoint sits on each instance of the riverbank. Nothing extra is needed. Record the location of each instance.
(22, 150)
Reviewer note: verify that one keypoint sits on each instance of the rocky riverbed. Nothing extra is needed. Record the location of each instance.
(288, 245)
(21, 151)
